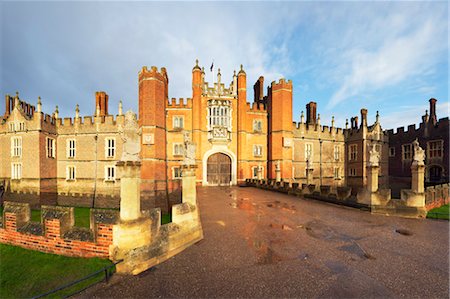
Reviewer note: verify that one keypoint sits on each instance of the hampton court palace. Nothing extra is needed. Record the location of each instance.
(48, 158)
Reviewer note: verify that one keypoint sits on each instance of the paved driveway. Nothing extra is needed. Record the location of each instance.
(264, 244)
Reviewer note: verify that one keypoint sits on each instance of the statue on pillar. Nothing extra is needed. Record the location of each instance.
(130, 134)
(419, 154)
(374, 156)
(189, 150)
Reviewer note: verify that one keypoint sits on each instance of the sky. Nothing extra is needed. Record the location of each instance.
(390, 57)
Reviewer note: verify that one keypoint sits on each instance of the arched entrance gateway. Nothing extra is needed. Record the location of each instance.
(219, 170)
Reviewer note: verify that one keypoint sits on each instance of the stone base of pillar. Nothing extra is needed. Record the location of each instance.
(379, 198)
(278, 175)
(309, 176)
(412, 198)
(189, 184)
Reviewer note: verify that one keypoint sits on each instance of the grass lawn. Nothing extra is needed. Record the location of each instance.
(439, 213)
(27, 273)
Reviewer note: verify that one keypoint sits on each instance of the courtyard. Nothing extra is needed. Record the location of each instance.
(265, 244)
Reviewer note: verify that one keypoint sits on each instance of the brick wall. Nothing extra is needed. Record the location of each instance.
(436, 196)
(48, 236)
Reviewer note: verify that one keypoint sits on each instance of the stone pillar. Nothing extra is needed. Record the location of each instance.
(130, 192)
(418, 178)
(309, 176)
(189, 191)
(372, 178)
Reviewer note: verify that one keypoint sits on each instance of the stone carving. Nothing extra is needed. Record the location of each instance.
(374, 156)
(130, 134)
(309, 163)
(419, 154)
(189, 150)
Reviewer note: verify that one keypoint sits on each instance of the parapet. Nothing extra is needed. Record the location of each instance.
(161, 75)
(282, 84)
(179, 103)
(256, 107)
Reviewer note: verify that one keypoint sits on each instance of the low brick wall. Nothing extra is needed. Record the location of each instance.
(51, 235)
(436, 196)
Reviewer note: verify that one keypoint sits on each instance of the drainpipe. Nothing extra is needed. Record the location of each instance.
(320, 161)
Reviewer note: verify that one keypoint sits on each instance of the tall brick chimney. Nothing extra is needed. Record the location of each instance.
(258, 89)
(363, 117)
(433, 117)
(101, 100)
(311, 109)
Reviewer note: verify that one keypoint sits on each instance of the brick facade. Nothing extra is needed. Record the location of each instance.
(253, 139)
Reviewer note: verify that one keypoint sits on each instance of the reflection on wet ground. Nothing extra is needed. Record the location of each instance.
(265, 244)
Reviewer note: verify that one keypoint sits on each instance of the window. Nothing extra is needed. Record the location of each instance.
(110, 147)
(406, 151)
(257, 125)
(21, 126)
(434, 149)
(70, 173)
(308, 151)
(352, 172)
(51, 148)
(257, 150)
(257, 171)
(16, 171)
(16, 146)
(110, 173)
(219, 114)
(178, 149)
(12, 127)
(176, 173)
(353, 149)
(178, 122)
(392, 152)
(336, 173)
(336, 152)
(70, 148)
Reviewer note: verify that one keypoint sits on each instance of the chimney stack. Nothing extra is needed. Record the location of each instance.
(433, 118)
(258, 89)
(311, 109)
(363, 117)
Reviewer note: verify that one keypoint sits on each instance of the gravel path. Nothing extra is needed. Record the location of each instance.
(261, 244)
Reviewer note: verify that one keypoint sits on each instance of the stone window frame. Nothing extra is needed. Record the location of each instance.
(12, 126)
(353, 152)
(352, 172)
(336, 172)
(71, 151)
(16, 170)
(392, 151)
(257, 150)
(177, 173)
(257, 125)
(255, 168)
(16, 146)
(407, 154)
(71, 173)
(440, 149)
(177, 149)
(178, 122)
(310, 156)
(337, 152)
(50, 147)
(110, 150)
(110, 173)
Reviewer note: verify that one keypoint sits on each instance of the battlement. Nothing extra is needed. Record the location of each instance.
(89, 121)
(412, 129)
(161, 74)
(281, 84)
(304, 127)
(179, 103)
(256, 107)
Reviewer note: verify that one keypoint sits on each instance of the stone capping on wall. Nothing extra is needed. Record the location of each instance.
(51, 234)
(436, 196)
(298, 126)
(411, 129)
(90, 121)
(336, 195)
(179, 103)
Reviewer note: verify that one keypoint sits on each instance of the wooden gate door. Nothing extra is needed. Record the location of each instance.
(219, 170)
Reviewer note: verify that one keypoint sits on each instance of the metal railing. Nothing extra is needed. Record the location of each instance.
(105, 270)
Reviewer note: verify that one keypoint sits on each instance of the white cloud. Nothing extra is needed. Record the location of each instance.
(399, 58)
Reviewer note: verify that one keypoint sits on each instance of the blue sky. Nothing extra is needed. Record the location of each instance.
(386, 56)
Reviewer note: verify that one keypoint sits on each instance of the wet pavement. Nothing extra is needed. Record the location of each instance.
(261, 244)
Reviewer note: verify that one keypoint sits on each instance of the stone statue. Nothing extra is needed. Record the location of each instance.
(374, 156)
(189, 150)
(419, 154)
(130, 134)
